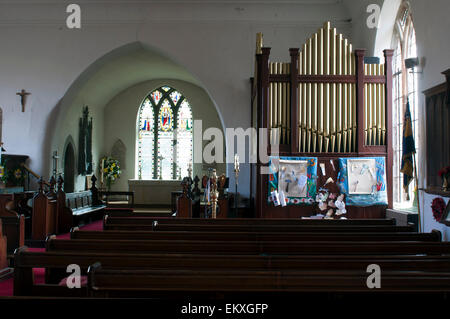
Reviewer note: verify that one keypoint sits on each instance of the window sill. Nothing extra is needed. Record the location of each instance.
(154, 181)
(435, 190)
(404, 211)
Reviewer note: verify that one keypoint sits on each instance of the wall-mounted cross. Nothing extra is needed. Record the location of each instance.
(23, 98)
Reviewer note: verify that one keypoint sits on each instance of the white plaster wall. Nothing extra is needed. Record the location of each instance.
(431, 24)
(362, 37)
(214, 41)
(120, 116)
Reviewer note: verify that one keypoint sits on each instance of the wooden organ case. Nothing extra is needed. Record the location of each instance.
(325, 103)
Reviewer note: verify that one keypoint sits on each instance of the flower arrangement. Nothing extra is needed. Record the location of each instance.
(438, 207)
(111, 170)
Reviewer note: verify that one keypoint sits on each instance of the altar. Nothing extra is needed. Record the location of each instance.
(153, 192)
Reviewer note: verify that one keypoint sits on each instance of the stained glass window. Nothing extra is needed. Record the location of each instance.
(146, 140)
(405, 87)
(164, 135)
(184, 139)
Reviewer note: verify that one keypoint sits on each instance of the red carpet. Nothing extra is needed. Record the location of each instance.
(6, 286)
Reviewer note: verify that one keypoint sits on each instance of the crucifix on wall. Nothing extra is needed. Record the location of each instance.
(23, 98)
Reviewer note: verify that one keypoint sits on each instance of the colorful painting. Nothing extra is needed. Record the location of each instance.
(361, 175)
(367, 183)
(296, 177)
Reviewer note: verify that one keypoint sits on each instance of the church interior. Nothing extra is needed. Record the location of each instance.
(218, 149)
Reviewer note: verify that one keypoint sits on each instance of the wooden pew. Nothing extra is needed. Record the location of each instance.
(110, 225)
(64, 213)
(176, 283)
(126, 217)
(74, 208)
(434, 236)
(251, 247)
(44, 218)
(81, 207)
(184, 202)
(57, 262)
(13, 222)
(3, 251)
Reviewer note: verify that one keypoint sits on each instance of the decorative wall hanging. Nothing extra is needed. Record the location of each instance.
(292, 180)
(363, 181)
(361, 175)
(85, 144)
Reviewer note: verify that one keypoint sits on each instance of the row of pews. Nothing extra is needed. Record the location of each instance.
(141, 256)
(55, 212)
(32, 216)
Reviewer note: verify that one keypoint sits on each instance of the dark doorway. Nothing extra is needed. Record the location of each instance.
(69, 169)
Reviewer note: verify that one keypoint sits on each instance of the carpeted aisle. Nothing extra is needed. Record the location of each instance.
(6, 286)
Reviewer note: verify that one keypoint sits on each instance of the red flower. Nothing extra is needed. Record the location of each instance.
(441, 172)
(438, 207)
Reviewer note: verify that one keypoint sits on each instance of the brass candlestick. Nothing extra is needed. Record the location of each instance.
(214, 194)
(236, 177)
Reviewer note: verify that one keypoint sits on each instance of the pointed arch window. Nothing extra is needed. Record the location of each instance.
(164, 135)
(405, 87)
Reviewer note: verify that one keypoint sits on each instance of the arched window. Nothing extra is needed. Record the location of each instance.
(405, 88)
(164, 135)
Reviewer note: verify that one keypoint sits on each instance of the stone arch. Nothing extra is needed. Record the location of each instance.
(69, 165)
(386, 24)
(118, 70)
